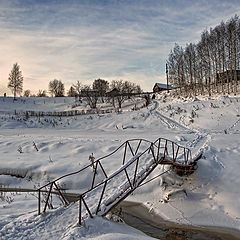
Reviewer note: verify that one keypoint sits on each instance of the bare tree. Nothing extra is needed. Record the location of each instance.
(72, 92)
(91, 95)
(101, 86)
(15, 80)
(42, 93)
(27, 93)
(120, 97)
(211, 64)
(124, 90)
(78, 86)
(56, 88)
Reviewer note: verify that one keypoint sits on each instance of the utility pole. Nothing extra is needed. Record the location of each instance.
(167, 76)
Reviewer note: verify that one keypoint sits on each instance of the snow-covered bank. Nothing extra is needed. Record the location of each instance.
(210, 195)
(138, 216)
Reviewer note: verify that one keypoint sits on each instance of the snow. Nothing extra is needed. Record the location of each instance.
(210, 196)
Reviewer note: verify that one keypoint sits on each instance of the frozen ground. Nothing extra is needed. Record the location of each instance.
(36, 150)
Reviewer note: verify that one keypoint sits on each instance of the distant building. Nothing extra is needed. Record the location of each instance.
(159, 87)
(89, 92)
(229, 74)
(113, 92)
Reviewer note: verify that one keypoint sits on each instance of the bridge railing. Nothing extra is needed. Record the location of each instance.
(137, 157)
(99, 199)
(94, 173)
(173, 152)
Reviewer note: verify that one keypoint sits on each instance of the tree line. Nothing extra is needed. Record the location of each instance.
(98, 90)
(209, 66)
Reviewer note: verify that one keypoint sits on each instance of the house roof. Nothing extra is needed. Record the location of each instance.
(164, 86)
(89, 90)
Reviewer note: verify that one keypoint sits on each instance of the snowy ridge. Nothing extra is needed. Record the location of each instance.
(64, 145)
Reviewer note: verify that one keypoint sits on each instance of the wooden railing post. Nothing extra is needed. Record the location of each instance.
(39, 201)
(94, 173)
(138, 146)
(135, 172)
(49, 192)
(153, 154)
(125, 152)
(128, 178)
(100, 200)
(165, 149)
(174, 160)
(80, 211)
(129, 145)
(173, 150)
(103, 169)
(159, 146)
(185, 159)
(60, 193)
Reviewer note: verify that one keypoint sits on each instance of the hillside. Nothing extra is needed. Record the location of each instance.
(35, 150)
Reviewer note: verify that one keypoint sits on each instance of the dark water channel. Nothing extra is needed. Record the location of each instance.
(138, 216)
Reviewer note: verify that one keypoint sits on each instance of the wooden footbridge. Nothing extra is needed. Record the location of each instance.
(102, 189)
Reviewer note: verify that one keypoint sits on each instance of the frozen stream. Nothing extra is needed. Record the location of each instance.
(139, 217)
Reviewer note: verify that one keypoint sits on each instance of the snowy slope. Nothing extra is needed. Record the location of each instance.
(210, 195)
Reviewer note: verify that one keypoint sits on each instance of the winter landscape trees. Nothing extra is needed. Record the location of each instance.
(56, 88)
(15, 80)
(209, 66)
(101, 86)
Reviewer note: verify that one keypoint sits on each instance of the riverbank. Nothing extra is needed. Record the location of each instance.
(138, 216)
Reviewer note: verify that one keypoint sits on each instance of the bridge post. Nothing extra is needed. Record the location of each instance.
(129, 145)
(39, 201)
(135, 173)
(94, 173)
(152, 150)
(125, 152)
(49, 193)
(100, 200)
(103, 169)
(173, 150)
(80, 211)
(60, 193)
(138, 146)
(175, 157)
(165, 149)
(159, 146)
(128, 179)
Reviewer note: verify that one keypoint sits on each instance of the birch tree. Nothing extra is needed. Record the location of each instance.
(15, 80)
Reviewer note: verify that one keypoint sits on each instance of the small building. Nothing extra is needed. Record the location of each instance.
(159, 87)
(228, 75)
(113, 92)
(89, 92)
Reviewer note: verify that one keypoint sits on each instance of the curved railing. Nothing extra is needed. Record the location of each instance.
(136, 158)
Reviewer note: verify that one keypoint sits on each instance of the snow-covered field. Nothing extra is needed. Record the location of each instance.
(35, 150)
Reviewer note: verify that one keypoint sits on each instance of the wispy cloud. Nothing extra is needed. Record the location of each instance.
(83, 40)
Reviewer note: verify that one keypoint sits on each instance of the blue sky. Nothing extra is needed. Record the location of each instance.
(111, 39)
